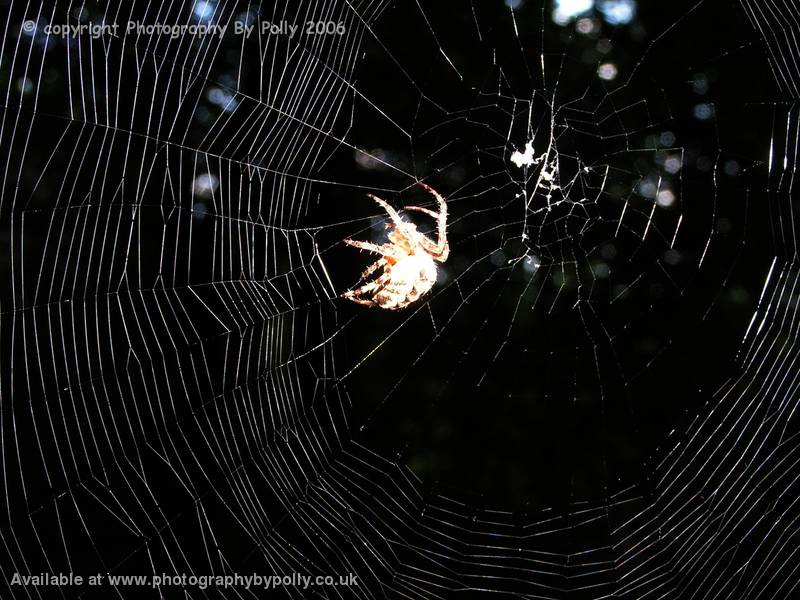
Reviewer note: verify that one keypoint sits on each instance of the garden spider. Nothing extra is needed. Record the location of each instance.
(408, 260)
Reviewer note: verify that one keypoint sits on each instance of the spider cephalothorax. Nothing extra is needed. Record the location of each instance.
(408, 260)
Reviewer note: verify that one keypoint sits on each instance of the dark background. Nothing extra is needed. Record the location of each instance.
(204, 402)
(557, 386)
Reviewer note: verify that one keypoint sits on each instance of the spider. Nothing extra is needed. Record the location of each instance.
(408, 260)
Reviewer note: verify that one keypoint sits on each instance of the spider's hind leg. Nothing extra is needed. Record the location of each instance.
(359, 291)
(372, 287)
(359, 300)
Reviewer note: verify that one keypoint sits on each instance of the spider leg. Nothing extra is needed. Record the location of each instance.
(427, 244)
(375, 285)
(359, 291)
(435, 194)
(400, 226)
(390, 252)
(372, 287)
(427, 211)
(441, 250)
(366, 246)
(400, 243)
(359, 300)
(381, 262)
(432, 248)
(356, 293)
(393, 214)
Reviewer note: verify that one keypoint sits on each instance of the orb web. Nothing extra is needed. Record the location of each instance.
(596, 400)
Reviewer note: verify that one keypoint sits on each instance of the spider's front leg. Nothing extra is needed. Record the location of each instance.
(426, 211)
(441, 249)
(393, 214)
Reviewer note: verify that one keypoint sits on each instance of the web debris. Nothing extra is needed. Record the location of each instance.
(525, 159)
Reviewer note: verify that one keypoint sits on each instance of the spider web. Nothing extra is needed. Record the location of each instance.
(598, 398)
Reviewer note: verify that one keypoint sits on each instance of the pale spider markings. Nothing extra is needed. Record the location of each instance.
(408, 260)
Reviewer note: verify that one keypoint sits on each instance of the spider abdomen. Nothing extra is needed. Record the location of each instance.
(408, 279)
